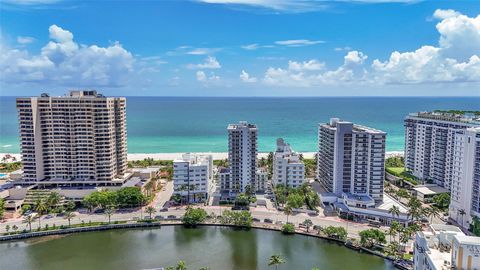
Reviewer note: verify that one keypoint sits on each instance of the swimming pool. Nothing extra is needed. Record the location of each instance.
(2, 175)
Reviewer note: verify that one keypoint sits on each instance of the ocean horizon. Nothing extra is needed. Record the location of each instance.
(198, 124)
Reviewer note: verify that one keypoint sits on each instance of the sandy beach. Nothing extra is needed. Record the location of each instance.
(216, 155)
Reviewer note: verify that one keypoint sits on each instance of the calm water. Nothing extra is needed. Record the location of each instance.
(169, 125)
(217, 248)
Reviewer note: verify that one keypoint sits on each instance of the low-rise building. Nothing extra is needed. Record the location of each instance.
(192, 177)
(444, 247)
(288, 169)
(425, 193)
(261, 180)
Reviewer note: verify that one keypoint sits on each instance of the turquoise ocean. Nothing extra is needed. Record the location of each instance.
(198, 124)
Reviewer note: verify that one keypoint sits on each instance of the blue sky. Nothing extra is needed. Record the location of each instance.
(241, 47)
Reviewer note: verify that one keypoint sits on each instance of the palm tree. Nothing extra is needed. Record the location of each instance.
(29, 219)
(41, 208)
(68, 216)
(394, 211)
(14, 228)
(462, 212)
(432, 212)
(275, 260)
(53, 199)
(393, 229)
(150, 210)
(288, 211)
(109, 212)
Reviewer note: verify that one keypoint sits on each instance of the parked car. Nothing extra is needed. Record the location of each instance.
(159, 217)
(165, 209)
(267, 220)
(172, 217)
(279, 223)
(256, 220)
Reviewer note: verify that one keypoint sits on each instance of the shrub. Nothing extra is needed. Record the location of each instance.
(193, 216)
(288, 228)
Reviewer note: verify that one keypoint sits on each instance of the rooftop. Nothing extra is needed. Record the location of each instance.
(468, 240)
(447, 116)
(431, 189)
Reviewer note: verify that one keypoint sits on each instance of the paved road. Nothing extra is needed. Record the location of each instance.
(260, 213)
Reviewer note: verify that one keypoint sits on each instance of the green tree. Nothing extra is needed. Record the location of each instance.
(25, 208)
(194, 216)
(2, 208)
(295, 200)
(68, 216)
(442, 201)
(276, 260)
(150, 211)
(307, 223)
(288, 211)
(415, 208)
(130, 197)
(391, 250)
(70, 206)
(41, 208)
(14, 228)
(52, 200)
(394, 211)
(335, 232)
(29, 219)
(395, 227)
(109, 211)
(7, 228)
(432, 212)
(370, 237)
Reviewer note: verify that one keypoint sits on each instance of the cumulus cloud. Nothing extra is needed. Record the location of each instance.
(245, 77)
(209, 63)
(62, 61)
(207, 80)
(454, 60)
(313, 73)
(305, 65)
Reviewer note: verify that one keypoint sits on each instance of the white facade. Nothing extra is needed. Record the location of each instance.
(193, 177)
(288, 170)
(465, 185)
(76, 139)
(242, 157)
(446, 247)
(430, 142)
(351, 159)
(261, 180)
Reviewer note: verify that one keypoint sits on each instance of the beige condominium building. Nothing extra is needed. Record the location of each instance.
(78, 139)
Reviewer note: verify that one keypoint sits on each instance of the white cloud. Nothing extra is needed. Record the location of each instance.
(298, 42)
(294, 6)
(456, 59)
(201, 76)
(203, 51)
(207, 80)
(31, 2)
(25, 40)
(312, 73)
(251, 47)
(64, 62)
(245, 77)
(339, 49)
(209, 63)
(305, 65)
